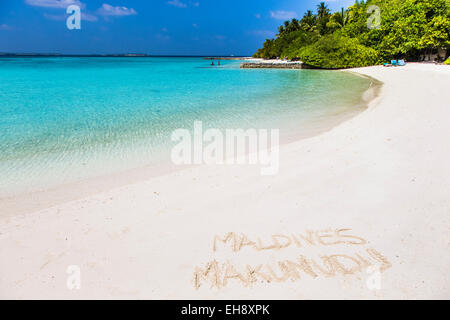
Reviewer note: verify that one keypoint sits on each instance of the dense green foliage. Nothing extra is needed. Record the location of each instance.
(337, 51)
(447, 62)
(284, 46)
(407, 29)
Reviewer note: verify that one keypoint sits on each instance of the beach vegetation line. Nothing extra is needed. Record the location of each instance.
(367, 33)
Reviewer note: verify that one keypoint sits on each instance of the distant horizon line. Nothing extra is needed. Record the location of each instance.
(22, 54)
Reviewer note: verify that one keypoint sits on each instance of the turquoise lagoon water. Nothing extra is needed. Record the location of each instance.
(64, 119)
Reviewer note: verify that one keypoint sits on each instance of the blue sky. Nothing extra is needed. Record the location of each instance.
(159, 27)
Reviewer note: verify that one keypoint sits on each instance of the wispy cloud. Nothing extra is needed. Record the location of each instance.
(61, 17)
(283, 15)
(111, 11)
(257, 16)
(177, 3)
(62, 4)
(180, 4)
(5, 27)
(56, 17)
(88, 17)
(105, 10)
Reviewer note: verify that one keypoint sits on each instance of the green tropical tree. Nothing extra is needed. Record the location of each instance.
(323, 17)
(336, 51)
(409, 29)
(338, 20)
(308, 22)
(322, 10)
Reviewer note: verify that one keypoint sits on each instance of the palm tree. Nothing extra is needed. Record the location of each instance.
(294, 25)
(322, 10)
(341, 18)
(288, 27)
(338, 20)
(283, 29)
(308, 21)
(323, 14)
(308, 14)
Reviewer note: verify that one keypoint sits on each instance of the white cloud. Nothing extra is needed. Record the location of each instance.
(62, 4)
(283, 15)
(181, 4)
(108, 10)
(177, 3)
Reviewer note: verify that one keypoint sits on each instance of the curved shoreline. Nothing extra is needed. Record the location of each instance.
(383, 174)
(25, 203)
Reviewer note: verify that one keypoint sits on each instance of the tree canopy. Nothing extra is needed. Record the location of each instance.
(406, 28)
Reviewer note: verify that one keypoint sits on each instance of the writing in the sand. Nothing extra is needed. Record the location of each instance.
(220, 274)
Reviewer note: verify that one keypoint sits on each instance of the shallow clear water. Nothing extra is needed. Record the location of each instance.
(63, 119)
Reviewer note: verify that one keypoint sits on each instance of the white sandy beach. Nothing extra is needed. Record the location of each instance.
(384, 174)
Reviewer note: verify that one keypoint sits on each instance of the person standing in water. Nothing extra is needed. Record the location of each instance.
(212, 63)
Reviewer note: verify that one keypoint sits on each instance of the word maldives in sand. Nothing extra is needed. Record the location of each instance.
(219, 275)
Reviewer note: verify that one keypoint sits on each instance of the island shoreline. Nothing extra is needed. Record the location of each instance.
(28, 202)
(381, 177)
